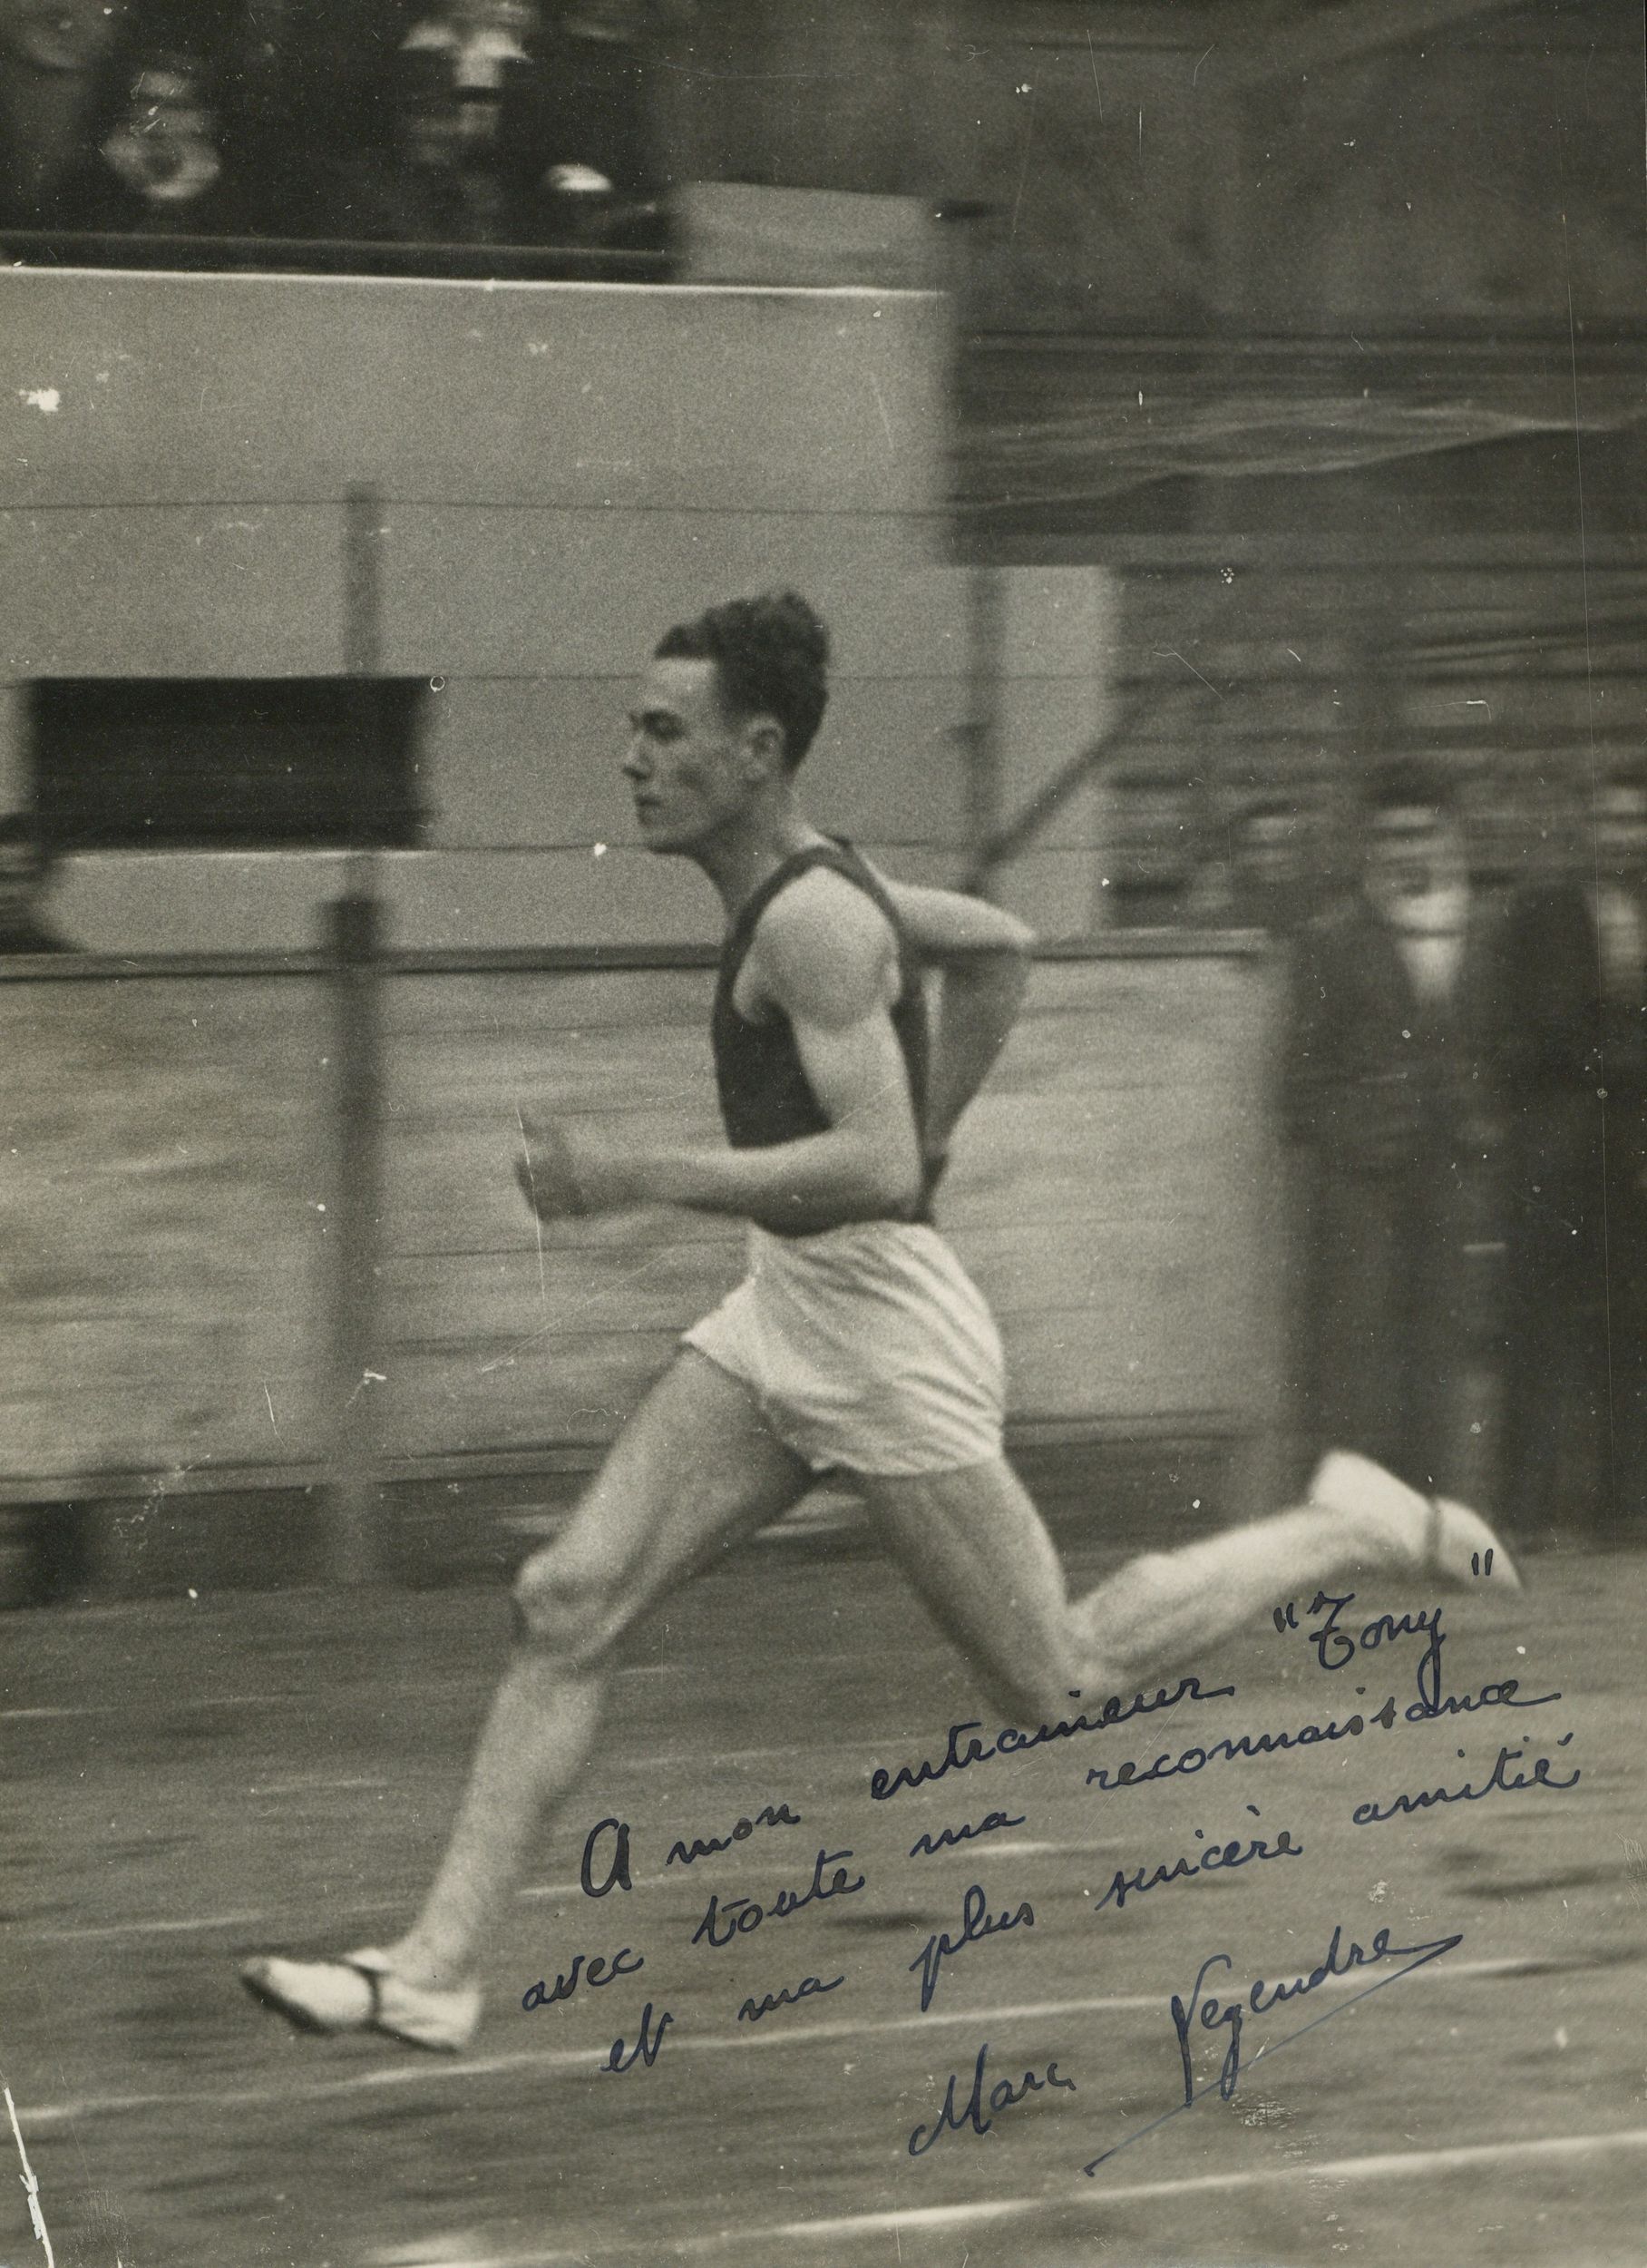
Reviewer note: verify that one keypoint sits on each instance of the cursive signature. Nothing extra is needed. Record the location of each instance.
(1209, 2013)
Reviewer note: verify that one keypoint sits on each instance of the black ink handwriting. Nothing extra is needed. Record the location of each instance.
(1011, 1741)
(648, 2040)
(1217, 1858)
(1498, 1781)
(1002, 2095)
(722, 1923)
(1338, 1962)
(950, 1838)
(769, 1815)
(975, 1926)
(599, 1970)
(786, 1997)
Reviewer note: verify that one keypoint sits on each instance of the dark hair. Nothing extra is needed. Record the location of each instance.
(1406, 783)
(771, 656)
(23, 827)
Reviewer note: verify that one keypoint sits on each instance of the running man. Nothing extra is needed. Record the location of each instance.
(856, 1342)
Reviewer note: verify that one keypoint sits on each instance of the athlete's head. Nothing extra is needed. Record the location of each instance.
(771, 660)
(729, 707)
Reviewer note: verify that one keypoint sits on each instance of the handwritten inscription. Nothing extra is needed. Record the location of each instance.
(1218, 1857)
(808, 1988)
(681, 1854)
(1211, 2020)
(1236, 1747)
(975, 1926)
(952, 1838)
(969, 2117)
(1213, 2015)
(1500, 1781)
(1336, 1647)
(962, 1751)
(724, 1921)
(596, 1970)
(647, 2041)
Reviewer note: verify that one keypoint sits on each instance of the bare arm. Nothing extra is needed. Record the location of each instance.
(823, 956)
(983, 955)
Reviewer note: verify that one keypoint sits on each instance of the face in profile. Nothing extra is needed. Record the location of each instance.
(1620, 832)
(690, 767)
(61, 35)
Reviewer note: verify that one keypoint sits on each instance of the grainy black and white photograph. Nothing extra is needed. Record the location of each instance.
(823, 1041)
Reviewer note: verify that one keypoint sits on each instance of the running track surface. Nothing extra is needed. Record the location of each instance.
(191, 1781)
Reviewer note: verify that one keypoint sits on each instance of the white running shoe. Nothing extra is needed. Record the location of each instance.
(1432, 1533)
(360, 1992)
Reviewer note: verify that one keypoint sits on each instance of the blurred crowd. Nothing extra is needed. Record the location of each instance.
(417, 121)
(1463, 1089)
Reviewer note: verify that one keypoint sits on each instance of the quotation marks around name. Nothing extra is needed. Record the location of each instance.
(1481, 1563)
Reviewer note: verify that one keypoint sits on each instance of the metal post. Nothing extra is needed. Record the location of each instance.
(352, 943)
(984, 762)
(353, 937)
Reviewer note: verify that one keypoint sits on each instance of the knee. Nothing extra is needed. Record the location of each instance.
(566, 1606)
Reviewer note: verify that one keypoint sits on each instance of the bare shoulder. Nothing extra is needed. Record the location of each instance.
(824, 951)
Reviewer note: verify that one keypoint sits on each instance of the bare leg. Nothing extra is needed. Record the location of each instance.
(975, 1548)
(694, 1463)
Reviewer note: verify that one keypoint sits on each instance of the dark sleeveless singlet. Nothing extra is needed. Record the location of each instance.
(766, 1097)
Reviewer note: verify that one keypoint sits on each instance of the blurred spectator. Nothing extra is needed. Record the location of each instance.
(515, 132)
(1574, 1055)
(1266, 880)
(25, 874)
(58, 89)
(1156, 833)
(108, 124)
(1387, 1088)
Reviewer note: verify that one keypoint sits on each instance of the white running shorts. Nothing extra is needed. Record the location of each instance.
(868, 1347)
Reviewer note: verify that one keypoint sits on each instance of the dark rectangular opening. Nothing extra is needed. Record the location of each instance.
(226, 764)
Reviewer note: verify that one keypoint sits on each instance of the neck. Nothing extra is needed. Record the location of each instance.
(745, 853)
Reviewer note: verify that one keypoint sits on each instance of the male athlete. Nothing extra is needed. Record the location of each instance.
(856, 1342)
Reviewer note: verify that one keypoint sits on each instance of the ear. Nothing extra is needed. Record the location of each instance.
(764, 744)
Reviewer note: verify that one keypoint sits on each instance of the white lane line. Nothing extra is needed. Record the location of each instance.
(423, 2071)
(1389, 2166)
(148, 1928)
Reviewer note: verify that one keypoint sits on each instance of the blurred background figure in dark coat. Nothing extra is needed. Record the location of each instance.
(1389, 1092)
(1574, 1054)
